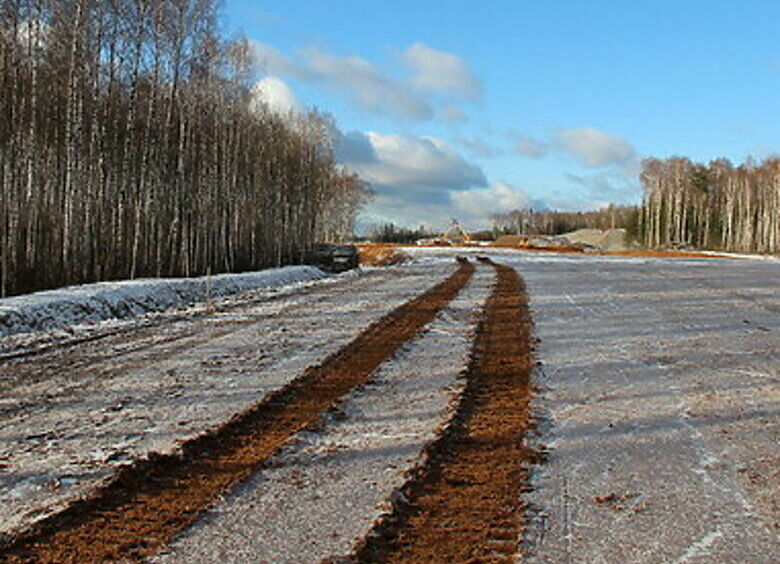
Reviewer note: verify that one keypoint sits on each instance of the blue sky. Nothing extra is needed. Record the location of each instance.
(463, 108)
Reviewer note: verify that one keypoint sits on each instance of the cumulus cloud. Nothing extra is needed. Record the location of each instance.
(270, 60)
(273, 93)
(414, 162)
(424, 180)
(389, 208)
(499, 197)
(366, 85)
(413, 177)
(594, 148)
(355, 149)
(435, 75)
(440, 71)
(473, 208)
(354, 76)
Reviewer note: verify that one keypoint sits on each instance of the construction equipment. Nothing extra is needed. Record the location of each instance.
(453, 235)
(456, 234)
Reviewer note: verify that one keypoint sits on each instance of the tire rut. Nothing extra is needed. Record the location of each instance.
(463, 504)
(152, 500)
(79, 365)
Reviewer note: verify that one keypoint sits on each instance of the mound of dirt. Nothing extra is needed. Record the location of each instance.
(381, 255)
(511, 241)
(539, 243)
(609, 240)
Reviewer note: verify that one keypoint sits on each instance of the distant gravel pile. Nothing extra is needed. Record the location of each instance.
(609, 240)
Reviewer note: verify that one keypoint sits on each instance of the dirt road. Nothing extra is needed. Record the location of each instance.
(401, 416)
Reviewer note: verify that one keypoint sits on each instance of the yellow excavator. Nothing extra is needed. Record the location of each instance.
(453, 235)
(456, 234)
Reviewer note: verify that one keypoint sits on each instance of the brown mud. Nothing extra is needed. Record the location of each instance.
(152, 500)
(464, 504)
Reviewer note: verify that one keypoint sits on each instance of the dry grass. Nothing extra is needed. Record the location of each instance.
(381, 255)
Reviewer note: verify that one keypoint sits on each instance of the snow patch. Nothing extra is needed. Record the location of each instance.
(700, 548)
(63, 307)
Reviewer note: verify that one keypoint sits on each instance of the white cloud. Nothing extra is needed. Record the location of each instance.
(477, 206)
(404, 161)
(594, 148)
(355, 76)
(268, 59)
(388, 208)
(276, 95)
(366, 85)
(354, 148)
(473, 208)
(435, 76)
(440, 71)
(479, 147)
(413, 177)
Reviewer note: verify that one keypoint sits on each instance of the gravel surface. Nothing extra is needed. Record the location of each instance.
(662, 398)
(320, 495)
(71, 416)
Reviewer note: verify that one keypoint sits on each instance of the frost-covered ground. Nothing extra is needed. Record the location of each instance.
(322, 494)
(659, 396)
(69, 416)
(661, 389)
(660, 403)
(91, 303)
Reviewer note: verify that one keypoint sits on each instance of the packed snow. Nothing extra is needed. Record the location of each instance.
(73, 305)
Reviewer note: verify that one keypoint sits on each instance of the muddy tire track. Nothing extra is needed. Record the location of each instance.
(464, 503)
(152, 500)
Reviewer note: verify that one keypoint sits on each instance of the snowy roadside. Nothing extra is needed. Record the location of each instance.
(90, 303)
(726, 254)
(77, 414)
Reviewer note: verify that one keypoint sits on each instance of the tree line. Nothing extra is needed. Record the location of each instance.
(392, 233)
(530, 222)
(131, 144)
(713, 206)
